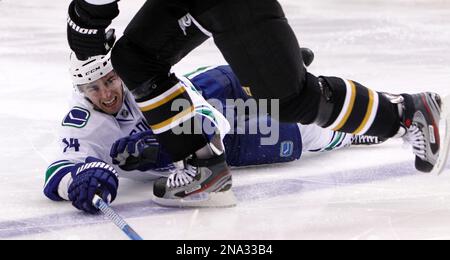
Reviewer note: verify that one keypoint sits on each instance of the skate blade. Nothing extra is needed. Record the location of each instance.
(445, 142)
(202, 200)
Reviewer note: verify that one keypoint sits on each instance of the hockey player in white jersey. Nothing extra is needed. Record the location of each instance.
(105, 136)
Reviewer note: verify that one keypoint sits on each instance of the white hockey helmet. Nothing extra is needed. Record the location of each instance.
(87, 71)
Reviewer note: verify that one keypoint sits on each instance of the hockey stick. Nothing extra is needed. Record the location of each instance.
(115, 218)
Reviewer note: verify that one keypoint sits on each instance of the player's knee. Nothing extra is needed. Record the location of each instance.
(301, 107)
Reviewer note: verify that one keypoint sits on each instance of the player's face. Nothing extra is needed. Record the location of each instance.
(106, 93)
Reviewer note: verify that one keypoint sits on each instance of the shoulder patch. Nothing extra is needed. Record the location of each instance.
(77, 117)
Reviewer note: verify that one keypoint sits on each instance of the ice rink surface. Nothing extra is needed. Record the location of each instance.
(360, 193)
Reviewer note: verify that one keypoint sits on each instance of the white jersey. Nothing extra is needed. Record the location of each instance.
(88, 132)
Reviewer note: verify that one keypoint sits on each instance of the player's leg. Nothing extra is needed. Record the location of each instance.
(159, 36)
(248, 149)
(317, 139)
(244, 144)
(244, 147)
(294, 140)
(260, 46)
(258, 43)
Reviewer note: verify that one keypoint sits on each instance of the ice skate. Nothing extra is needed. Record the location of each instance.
(196, 183)
(421, 115)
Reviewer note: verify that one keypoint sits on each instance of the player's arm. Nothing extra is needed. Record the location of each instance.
(86, 26)
(79, 182)
(80, 171)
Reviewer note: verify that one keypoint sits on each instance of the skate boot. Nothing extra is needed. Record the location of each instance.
(196, 183)
(420, 117)
(367, 140)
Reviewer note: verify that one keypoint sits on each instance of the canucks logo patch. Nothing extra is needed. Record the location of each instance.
(287, 149)
(77, 117)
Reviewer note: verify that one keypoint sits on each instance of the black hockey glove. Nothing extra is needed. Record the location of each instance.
(86, 28)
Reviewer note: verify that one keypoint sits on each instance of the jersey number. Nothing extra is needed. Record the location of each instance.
(72, 143)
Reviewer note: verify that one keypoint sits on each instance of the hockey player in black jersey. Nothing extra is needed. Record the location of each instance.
(256, 40)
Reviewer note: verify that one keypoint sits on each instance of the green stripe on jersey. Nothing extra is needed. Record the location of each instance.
(55, 168)
(197, 71)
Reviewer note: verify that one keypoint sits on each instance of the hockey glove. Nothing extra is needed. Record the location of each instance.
(86, 28)
(91, 178)
(137, 152)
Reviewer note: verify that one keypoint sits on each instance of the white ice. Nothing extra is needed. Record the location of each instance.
(361, 193)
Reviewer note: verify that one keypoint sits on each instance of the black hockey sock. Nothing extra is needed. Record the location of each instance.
(349, 107)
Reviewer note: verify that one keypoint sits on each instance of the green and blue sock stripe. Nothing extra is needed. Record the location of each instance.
(336, 141)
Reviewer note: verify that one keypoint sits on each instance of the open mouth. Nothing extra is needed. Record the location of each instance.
(110, 103)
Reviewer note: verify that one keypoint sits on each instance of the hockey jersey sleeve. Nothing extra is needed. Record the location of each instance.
(58, 175)
(79, 138)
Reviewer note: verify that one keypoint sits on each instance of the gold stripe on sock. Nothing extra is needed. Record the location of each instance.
(349, 108)
(164, 100)
(158, 127)
(368, 113)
